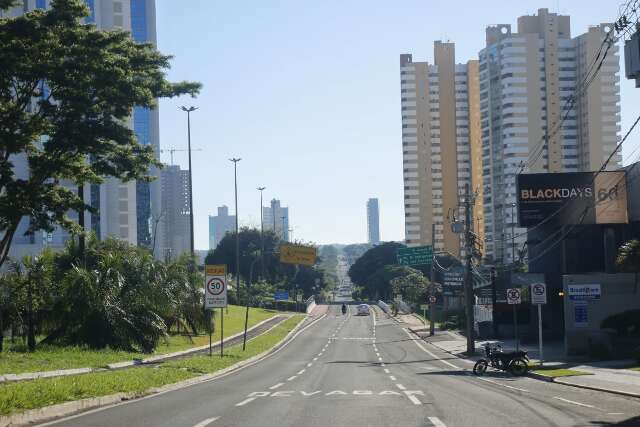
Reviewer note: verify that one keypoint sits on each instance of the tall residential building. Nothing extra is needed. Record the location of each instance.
(175, 221)
(373, 221)
(146, 124)
(118, 203)
(527, 79)
(440, 144)
(276, 217)
(220, 225)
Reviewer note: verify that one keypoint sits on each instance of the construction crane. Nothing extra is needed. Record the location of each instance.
(173, 150)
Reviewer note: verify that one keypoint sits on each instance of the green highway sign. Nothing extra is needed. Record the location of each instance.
(419, 255)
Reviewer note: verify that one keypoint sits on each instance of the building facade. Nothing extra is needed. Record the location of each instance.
(440, 145)
(373, 221)
(175, 219)
(276, 218)
(220, 225)
(125, 210)
(539, 115)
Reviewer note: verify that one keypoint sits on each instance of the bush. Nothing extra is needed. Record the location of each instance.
(625, 323)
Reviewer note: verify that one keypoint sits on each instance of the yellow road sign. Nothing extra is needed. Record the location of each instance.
(215, 270)
(297, 254)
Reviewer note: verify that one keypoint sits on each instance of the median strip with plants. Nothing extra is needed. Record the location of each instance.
(18, 397)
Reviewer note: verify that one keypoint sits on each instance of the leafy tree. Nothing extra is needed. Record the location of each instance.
(373, 260)
(628, 259)
(67, 91)
(409, 282)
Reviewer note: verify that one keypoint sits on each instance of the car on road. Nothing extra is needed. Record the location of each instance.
(363, 310)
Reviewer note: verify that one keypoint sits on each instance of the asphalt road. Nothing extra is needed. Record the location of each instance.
(359, 371)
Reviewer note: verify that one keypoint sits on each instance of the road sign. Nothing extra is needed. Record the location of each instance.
(281, 295)
(424, 306)
(297, 254)
(432, 299)
(418, 255)
(215, 286)
(581, 314)
(583, 292)
(299, 297)
(513, 296)
(538, 293)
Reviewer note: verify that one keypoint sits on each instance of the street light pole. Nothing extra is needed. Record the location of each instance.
(261, 189)
(235, 180)
(189, 110)
(513, 236)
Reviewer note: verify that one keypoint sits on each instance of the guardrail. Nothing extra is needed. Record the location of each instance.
(384, 306)
(311, 304)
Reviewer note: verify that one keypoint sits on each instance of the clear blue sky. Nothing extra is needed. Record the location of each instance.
(307, 94)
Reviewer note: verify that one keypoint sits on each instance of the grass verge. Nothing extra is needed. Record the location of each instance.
(22, 396)
(636, 369)
(555, 373)
(48, 358)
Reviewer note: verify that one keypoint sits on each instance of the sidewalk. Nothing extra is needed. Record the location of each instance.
(609, 376)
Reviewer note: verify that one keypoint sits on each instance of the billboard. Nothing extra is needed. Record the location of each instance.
(572, 198)
(297, 254)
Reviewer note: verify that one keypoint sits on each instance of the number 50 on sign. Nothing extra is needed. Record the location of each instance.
(215, 286)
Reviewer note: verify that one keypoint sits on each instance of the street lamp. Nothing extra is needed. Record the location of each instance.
(235, 180)
(261, 189)
(189, 110)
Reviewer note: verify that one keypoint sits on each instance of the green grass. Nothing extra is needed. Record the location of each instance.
(48, 358)
(635, 369)
(561, 372)
(21, 396)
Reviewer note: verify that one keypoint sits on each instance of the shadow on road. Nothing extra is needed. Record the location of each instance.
(631, 422)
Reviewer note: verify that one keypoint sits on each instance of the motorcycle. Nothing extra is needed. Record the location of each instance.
(514, 362)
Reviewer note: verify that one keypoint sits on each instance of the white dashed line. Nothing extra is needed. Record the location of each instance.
(436, 422)
(301, 371)
(292, 378)
(206, 422)
(315, 358)
(414, 399)
(244, 402)
(392, 378)
(575, 403)
(273, 387)
(383, 365)
(386, 371)
(309, 365)
(401, 387)
(380, 359)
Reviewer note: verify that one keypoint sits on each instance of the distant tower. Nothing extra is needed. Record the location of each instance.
(373, 221)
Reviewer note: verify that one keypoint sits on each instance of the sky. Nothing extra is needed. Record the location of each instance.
(307, 94)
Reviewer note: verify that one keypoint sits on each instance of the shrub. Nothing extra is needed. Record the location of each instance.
(625, 323)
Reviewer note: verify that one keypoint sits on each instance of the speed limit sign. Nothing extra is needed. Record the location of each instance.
(215, 286)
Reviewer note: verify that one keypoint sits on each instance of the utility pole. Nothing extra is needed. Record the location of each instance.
(235, 181)
(468, 286)
(189, 111)
(261, 189)
(432, 307)
(513, 235)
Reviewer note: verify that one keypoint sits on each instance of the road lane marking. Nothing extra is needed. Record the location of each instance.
(315, 358)
(420, 346)
(504, 385)
(383, 365)
(575, 403)
(273, 387)
(414, 399)
(247, 400)
(436, 422)
(380, 359)
(291, 378)
(206, 422)
(386, 371)
(428, 367)
(615, 413)
(309, 365)
(401, 387)
(301, 371)
(392, 377)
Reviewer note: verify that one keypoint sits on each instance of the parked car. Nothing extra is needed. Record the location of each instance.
(363, 310)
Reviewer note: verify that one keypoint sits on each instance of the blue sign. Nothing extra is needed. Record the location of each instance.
(281, 295)
(581, 314)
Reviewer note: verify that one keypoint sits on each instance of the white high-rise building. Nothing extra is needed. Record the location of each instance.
(220, 225)
(527, 79)
(125, 210)
(373, 221)
(175, 220)
(276, 218)
(440, 139)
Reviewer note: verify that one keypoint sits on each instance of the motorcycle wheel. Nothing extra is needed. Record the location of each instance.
(518, 367)
(480, 367)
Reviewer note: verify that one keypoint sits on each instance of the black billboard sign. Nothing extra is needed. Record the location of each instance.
(572, 198)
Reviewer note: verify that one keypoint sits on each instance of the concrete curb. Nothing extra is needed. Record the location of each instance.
(26, 376)
(586, 387)
(49, 413)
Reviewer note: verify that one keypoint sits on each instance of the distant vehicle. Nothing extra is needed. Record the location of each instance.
(363, 310)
